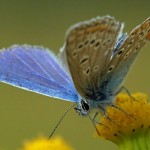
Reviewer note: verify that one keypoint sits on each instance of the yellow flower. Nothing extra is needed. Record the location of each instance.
(56, 143)
(129, 129)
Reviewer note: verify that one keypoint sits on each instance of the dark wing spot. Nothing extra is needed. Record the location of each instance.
(80, 46)
(120, 52)
(133, 130)
(136, 49)
(141, 34)
(133, 33)
(130, 43)
(88, 71)
(110, 69)
(108, 41)
(93, 41)
(126, 55)
(96, 68)
(83, 60)
(119, 132)
(86, 42)
(74, 53)
(97, 44)
(104, 43)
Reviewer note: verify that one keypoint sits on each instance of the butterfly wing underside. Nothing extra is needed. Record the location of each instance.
(88, 48)
(36, 69)
(122, 60)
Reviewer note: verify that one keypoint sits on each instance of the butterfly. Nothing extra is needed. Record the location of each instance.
(90, 69)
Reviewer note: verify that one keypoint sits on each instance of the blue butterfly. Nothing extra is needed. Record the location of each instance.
(96, 58)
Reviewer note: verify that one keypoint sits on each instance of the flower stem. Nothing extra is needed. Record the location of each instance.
(137, 141)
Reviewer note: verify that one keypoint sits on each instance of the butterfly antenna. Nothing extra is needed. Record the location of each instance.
(64, 114)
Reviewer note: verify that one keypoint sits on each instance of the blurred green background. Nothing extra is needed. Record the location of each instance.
(25, 115)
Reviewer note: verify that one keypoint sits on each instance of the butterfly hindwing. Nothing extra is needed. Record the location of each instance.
(88, 48)
(36, 69)
(122, 60)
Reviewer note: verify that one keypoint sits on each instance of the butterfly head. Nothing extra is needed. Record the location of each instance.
(83, 108)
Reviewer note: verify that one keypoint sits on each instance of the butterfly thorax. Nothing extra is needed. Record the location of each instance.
(95, 100)
(96, 94)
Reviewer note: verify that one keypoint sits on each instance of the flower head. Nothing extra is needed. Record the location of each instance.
(56, 143)
(130, 124)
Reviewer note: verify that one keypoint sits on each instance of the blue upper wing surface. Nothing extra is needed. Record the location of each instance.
(36, 69)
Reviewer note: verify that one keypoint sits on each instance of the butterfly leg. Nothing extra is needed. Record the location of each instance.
(94, 121)
(94, 125)
(115, 106)
(126, 90)
(106, 115)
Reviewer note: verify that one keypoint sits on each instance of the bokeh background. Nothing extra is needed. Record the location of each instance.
(25, 115)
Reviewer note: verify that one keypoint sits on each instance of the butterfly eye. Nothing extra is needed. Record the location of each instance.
(84, 105)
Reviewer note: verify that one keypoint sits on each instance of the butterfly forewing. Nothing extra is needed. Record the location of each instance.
(36, 69)
(88, 49)
(125, 55)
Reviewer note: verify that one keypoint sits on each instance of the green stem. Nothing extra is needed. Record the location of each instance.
(139, 140)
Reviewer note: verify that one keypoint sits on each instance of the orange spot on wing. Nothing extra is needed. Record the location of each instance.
(97, 28)
(148, 36)
(145, 25)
